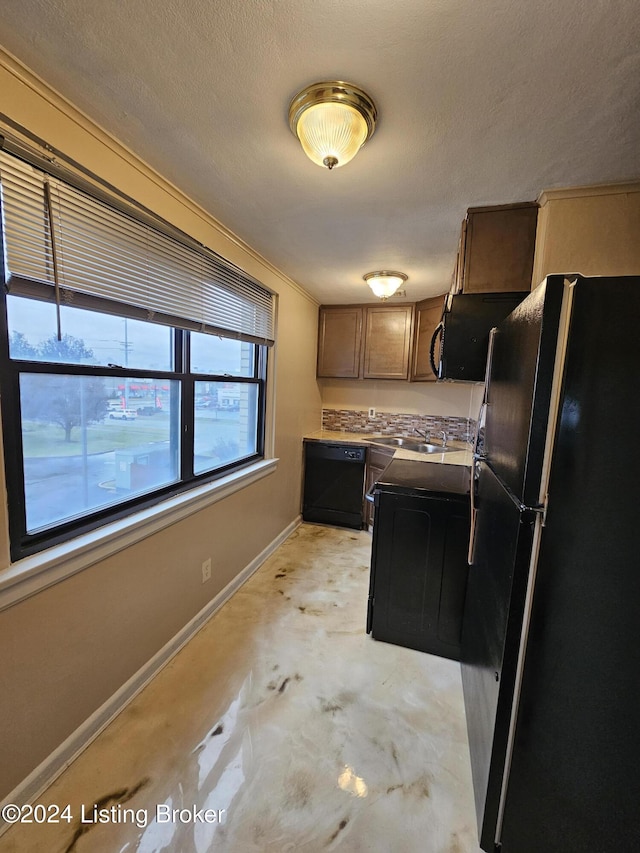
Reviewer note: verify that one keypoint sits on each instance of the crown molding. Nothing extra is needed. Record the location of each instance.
(74, 114)
(585, 192)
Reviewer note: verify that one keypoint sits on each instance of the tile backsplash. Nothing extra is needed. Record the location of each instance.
(394, 423)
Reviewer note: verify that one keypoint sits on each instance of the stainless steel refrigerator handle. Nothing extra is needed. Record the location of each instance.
(472, 530)
(485, 396)
(476, 455)
(479, 426)
(487, 374)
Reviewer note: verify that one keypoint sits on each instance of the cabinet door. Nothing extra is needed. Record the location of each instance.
(340, 341)
(499, 247)
(427, 317)
(387, 345)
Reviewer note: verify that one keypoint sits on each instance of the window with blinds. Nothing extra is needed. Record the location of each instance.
(132, 360)
(100, 257)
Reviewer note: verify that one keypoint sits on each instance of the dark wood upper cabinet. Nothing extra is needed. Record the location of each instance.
(365, 341)
(387, 341)
(427, 317)
(340, 341)
(496, 249)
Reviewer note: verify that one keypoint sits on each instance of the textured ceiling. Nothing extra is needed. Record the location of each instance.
(480, 102)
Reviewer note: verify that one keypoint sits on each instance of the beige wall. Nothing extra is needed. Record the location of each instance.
(67, 649)
(588, 230)
(456, 399)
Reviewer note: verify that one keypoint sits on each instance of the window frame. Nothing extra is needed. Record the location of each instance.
(23, 544)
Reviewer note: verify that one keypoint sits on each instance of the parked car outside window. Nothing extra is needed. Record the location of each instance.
(123, 415)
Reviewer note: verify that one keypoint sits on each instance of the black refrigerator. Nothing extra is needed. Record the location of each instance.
(551, 629)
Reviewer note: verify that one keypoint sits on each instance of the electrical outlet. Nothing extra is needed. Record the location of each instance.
(206, 570)
(372, 413)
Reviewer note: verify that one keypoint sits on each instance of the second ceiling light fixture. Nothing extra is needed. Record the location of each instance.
(333, 120)
(384, 283)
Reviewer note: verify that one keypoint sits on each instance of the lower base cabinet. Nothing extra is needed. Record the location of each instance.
(419, 571)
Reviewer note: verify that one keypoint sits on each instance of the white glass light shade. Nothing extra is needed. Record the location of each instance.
(331, 134)
(384, 284)
(332, 120)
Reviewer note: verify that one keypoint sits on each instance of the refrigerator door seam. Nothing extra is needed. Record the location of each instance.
(554, 406)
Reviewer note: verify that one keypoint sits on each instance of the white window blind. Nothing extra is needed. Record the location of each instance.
(111, 261)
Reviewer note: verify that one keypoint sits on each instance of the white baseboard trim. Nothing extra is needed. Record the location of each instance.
(48, 770)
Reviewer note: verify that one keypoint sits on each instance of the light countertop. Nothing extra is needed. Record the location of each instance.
(462, 456)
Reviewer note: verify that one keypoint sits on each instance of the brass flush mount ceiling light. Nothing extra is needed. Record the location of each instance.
(332, 120)
(384, 283)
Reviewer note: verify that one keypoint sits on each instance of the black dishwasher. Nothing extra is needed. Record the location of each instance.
(333, 483)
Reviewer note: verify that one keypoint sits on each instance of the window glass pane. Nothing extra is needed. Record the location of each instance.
(92, 442)
(221, 356)
(225, 424)
(88, 337)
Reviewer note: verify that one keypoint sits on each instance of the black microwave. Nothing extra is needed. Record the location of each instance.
(460, 342)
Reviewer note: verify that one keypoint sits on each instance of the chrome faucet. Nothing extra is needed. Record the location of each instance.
(444, 438)
(423, 434)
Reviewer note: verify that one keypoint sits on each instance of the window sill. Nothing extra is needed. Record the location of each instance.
(33, 574)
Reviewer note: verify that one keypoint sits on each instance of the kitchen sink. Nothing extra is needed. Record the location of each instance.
(407, 443)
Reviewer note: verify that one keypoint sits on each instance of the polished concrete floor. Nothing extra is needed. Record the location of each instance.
(281, 726)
